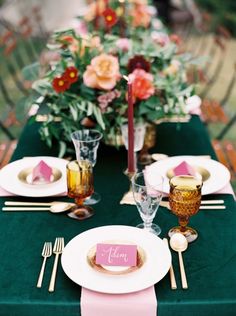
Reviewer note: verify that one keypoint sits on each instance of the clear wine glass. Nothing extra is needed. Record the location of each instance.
(185, 200)
(86, 143)
(147, 199)
(79, 187)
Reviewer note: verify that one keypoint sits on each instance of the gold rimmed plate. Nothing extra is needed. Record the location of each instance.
(10, 181)
(78, 260)
(200, 172)
(25, 176)
(116, 270)
(214, 175)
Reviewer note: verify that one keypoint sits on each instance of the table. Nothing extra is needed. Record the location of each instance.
(210, 261)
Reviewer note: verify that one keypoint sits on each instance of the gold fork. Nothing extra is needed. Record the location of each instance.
(57, 250)
(46, 252)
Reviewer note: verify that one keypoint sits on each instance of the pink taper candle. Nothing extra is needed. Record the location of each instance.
(131, 164)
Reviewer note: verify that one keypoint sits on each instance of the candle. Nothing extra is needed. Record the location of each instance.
(131, 163)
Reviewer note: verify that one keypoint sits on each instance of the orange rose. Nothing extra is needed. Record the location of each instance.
(102, 73)
(142, 84)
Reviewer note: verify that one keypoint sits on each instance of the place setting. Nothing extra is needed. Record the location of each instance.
(116, 188)
(71, 178)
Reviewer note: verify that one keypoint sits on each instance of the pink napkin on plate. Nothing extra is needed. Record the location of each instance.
(141, 303)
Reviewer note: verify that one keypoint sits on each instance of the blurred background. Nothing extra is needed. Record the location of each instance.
(207, 29)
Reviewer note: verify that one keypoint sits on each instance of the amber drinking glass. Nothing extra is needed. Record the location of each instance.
(185, 199)
(80, 186)
(86, 144)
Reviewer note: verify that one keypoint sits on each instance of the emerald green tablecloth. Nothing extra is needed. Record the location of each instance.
(210, 261)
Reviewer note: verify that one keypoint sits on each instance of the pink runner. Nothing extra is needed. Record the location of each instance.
(142, 303)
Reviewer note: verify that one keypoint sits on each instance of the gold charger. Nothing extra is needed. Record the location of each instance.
(25, 176)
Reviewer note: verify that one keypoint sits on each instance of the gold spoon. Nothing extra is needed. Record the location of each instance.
(54, 207)
(179, 243)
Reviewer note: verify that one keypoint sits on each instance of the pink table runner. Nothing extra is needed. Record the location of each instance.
(142, 303)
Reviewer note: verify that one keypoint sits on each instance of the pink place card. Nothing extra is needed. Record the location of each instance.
(116, 255)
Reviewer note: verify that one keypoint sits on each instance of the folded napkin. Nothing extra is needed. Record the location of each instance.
(141, 303)
(129, 199)
(42, 172)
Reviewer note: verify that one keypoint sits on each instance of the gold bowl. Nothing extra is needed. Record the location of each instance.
(204, 173)
(25, 176)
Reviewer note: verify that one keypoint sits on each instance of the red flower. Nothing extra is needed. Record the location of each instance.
(138, 62)
(142, 84)
(60, 84)
(71, 74)
(110, 17)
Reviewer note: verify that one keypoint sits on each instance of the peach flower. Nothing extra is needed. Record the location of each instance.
(173, 68)
(95, 8)
(142, 84)
(140, 16)
(102, 73)
(91, 42)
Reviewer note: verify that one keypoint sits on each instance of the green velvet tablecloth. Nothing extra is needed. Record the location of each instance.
(210, 261)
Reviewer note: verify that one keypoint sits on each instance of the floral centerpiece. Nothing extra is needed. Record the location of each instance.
(123, 18)
(85, 86)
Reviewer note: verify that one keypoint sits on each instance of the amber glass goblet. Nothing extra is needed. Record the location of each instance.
(185, 199)
(80, 186)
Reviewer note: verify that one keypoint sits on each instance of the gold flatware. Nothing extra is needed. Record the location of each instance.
(54, 207)
(179, 244)
(57, 250)
(46, 253)
(172, 274)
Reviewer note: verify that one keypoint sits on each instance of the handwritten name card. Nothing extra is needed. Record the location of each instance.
(116, 255)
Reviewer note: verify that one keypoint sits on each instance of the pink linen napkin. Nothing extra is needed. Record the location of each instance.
(141, 303)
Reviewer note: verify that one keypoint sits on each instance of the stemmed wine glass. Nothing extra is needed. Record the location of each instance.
(185, 200)
(86, 143)
(80, 186)
(147, 199)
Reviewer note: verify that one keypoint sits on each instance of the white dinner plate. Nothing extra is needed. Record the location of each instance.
(218, 174)
(10, 181)
(156, 265)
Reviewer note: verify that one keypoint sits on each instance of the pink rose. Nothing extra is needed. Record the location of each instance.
(124, 44)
